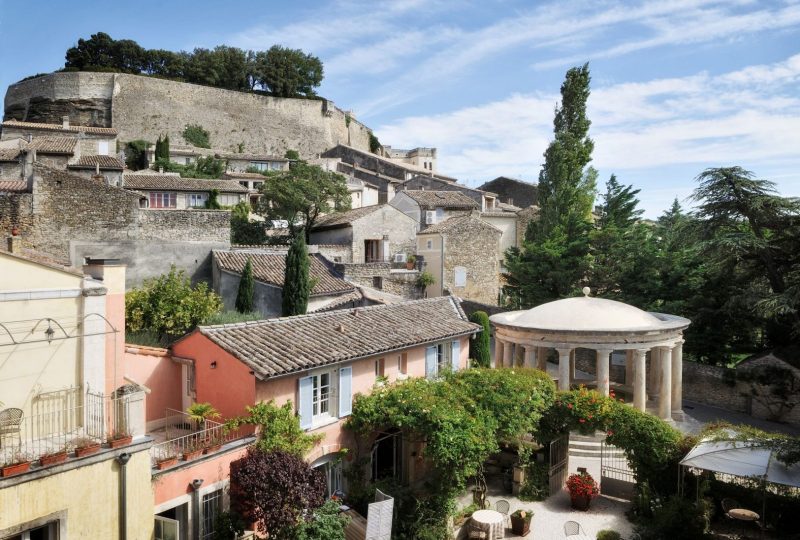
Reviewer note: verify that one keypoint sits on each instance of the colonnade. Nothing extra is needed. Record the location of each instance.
(662, 383)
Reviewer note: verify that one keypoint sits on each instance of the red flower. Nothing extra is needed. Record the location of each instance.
(609, 433)
(569, 405)
(581, 420)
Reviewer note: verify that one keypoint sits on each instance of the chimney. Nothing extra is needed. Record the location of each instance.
(65, 122)
(14, 243)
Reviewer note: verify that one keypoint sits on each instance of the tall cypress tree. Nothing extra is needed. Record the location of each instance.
(479, 344)
(165, 148)
(554, 256)
(296, 284)
(244, 297)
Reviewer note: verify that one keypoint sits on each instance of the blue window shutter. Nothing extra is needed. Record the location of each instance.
(455, 354)
(345, 391)
(304, 404)
(430, 362)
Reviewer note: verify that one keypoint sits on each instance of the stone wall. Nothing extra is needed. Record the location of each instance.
(511, 191)
(381, 276)
(713, 385)
(145, 107)
(472, 244)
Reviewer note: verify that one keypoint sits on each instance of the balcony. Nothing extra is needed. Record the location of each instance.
(58, 423)
(183, 439)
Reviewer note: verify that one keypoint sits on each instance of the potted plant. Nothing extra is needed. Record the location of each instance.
(214, 443)
(521, 522)
(85, 446)
(167, 460)
(411, 262)
(582, 489)
(120, 438)
(200, 412)
(424, 281)
(18, 463)
(54, 457)
(192, 450)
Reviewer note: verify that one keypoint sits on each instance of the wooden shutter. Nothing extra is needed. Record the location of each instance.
(304, 404)
(455, 354)
(430, 362)
(345, 391)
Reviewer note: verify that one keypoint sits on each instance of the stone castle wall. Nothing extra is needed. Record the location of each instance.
(145, 107)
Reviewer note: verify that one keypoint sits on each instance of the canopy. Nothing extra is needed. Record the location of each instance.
(741, 458)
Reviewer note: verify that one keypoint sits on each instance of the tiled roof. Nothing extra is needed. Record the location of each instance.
(44, 259)
(341, 301)
(105, 162)
(456, 222)
(280, 346)
(244, 175)
(342, 219)
(53, 145)
(15, 186)
(507, 207)
(9, 154)
(270, 268)
(440, 199)
(171, 182)
(249, 157)
(59, 127)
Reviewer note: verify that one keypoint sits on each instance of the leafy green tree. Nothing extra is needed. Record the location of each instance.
(243, 230)
(204, 167)
(327, 522)
(136, 154)
(96, 52)
(620, 205)
(213, 200)
(292, 154)
(196, 135)
(296, 283)
(169, 306)
(479, 344)
(301, 194)
(279, 428)
(287, 72)
(554, 257)
(244, 296)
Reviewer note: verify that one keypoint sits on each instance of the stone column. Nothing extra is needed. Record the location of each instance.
(508, 354)
(563, 368)
(572, 366)
(654, 373)
(498, 352)
(665, 397)
(530, 356)
(629, 368)
(639, 387)
(677, 379)
(603, 369)
(541, 358)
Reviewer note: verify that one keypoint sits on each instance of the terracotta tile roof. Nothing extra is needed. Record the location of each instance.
(343, 219)
(244, 175)
(270, 267)
(278, 347)
(59, 127)
(53, 145)
(440, 199)
(105, 162)
(507, 207)
(248, 157)
(15, 186)
(169, 182)
(341, 302)
(457, 222)
(9, 154)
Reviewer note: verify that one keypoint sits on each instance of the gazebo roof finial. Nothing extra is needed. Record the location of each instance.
(586, 291)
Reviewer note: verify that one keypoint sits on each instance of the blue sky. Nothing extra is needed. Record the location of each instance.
(677, 85)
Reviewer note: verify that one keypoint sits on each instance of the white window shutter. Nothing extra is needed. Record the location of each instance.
(304, 403)
(430, 362)
(345, 391)
(455, 354)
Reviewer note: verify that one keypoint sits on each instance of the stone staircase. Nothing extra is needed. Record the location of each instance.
(588, 446)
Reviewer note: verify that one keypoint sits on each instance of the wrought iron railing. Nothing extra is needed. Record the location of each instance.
(186, 437)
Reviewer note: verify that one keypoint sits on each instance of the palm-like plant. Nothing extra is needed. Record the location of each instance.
(200, 412)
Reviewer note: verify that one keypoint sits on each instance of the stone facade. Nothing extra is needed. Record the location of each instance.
(71, 217)
(525, 216)
(381, 276)
(513, 191)
(145, 107)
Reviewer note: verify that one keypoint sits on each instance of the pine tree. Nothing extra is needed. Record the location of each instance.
(619, 205)
(296, 284)
(244, 297)
(554, 257)
(479, 344)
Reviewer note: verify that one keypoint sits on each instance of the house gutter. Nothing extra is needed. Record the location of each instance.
(123, 459)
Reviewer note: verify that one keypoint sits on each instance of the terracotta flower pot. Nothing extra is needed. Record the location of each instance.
(210, 449)
(166, 463)
(87, 450)
(581, 502)
(521, 525)
(122, 441)
(192, 454)
(16, 468)
(53, 459)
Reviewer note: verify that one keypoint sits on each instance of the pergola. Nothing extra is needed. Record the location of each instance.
(604, 326)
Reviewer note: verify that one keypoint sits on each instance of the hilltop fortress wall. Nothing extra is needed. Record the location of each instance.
(146, 107)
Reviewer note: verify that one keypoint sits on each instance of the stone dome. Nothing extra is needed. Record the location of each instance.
(585, 314)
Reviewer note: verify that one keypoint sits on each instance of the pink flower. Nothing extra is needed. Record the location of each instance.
(569, 405)
(582, 421)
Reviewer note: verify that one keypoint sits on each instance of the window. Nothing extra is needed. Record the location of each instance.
(430, 244)
(48, 531)
(212, 507)
(377, 282)
(441, 357)
(244, 184)
(439, 215)
(188, 161)
(275, 165)
(163, 200)
(321, 396)
(198, 200)
(387, 457)
(331, 468)
(402, 363)
(372, 251)
(324, 396)
(257, 185)
(379, 367)
(259, 165)
(442, 360)
(102, 148)
(460, 276)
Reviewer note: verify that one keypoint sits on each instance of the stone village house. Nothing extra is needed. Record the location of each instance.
(170, 191)
(432, 207)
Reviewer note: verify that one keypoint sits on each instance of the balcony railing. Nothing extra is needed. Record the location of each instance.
(59, 420)
(184, 436)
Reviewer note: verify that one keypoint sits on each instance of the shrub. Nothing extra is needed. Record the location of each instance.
(326, 522)
(608, 535)
(195, 135)
(205, 167)
(244, 296)
(582, 485)
(536, 486)
(479, 344)
(675, 518)
(279, 428)
(292, 154)
(136, 154)
(374, 143)
(213, 200)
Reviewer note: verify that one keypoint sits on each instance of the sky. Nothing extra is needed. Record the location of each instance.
(677, 85)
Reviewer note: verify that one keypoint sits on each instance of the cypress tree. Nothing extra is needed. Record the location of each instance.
(165, 147)
(479, 343)
(244, 297)
(158, 148)
(296, 285)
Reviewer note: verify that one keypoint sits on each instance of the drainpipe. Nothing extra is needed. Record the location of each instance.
(123, 459)
(196, 483)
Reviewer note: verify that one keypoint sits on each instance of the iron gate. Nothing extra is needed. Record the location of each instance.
(559, 463)
(616, 476)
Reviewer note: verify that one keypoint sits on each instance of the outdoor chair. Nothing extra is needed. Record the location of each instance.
(572, 528)
(503, 507)
(728, 505)
(476, 533)
(10, 420)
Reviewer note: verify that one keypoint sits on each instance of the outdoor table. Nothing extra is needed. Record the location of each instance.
(743, 514)
(491, 521)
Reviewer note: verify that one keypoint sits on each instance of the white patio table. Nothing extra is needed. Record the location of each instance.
(491, 521)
